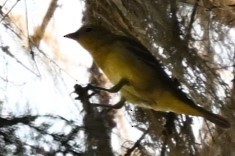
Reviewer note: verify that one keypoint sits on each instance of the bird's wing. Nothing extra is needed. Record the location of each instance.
(143, 54)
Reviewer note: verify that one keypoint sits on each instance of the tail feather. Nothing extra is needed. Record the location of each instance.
(214, 118)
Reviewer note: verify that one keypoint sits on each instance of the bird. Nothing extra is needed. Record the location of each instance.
(139, 76)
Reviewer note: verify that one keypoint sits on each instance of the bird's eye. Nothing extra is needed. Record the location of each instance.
(88, 29)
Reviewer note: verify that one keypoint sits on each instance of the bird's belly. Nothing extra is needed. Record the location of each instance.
(159, 99)
(137, 97)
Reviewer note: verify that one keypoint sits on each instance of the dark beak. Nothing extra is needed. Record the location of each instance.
(71, 36)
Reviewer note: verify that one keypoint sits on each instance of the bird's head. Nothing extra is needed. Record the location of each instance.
(90, 36)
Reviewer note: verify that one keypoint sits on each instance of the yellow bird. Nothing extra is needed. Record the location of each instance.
(137, 73)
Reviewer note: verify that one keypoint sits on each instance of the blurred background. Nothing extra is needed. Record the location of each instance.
(193, 39)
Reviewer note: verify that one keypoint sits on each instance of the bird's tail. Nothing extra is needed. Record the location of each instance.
(214, 118)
